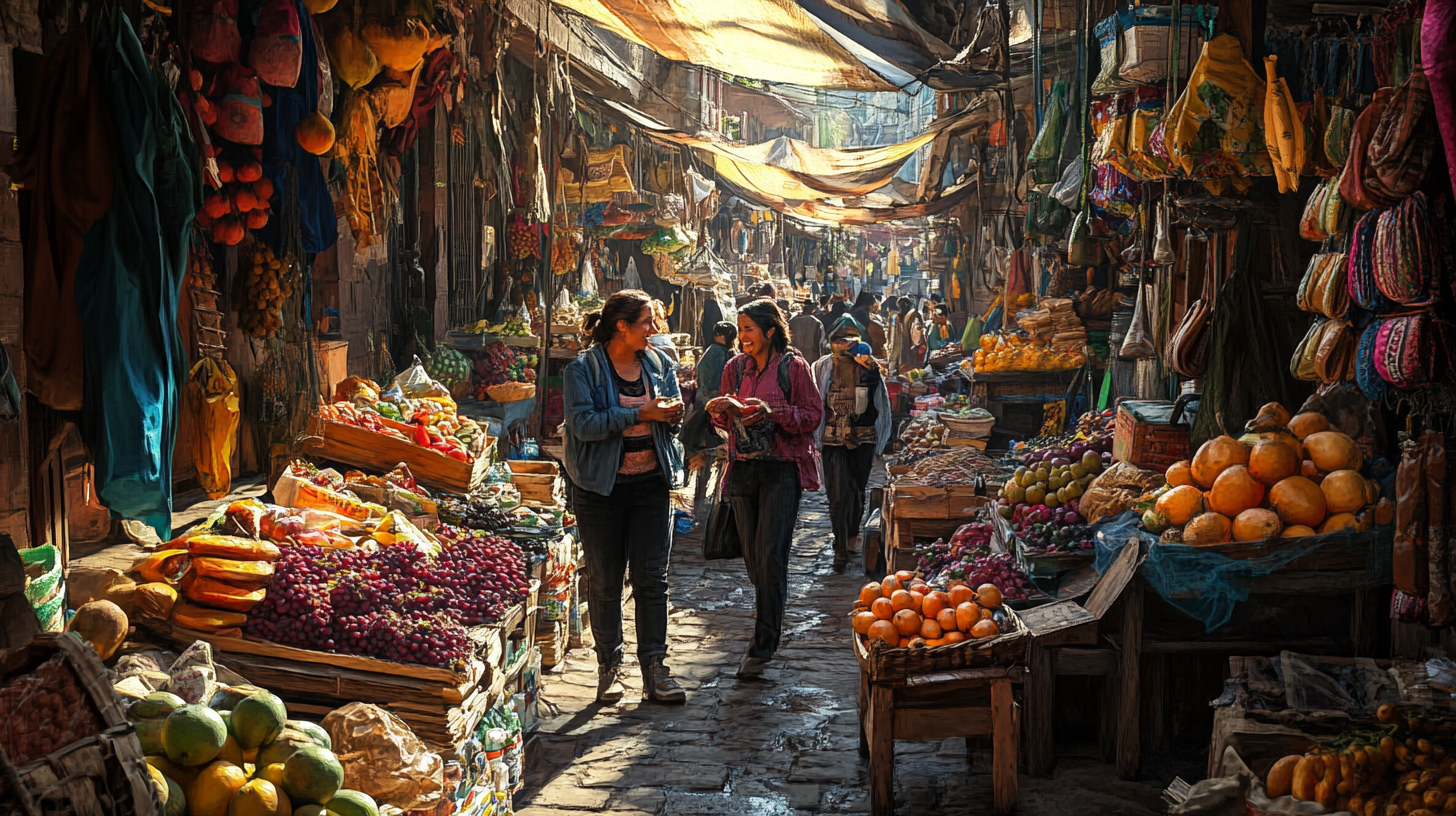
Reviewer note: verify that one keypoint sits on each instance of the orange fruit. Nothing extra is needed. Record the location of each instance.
(985, 613)
(907, 622)
(882, 608)
(1272, 461)
(862, 621)
(1344, 491)
(1208, 528)
(953, 637)
(985, 628)
(947, 620)
(1236, 490)
(920, 586)
(1180, 504)
(1298, 500)
(1214, 457)
(917, 601)
(966, 615)
(1179, 474)
(901, 600)
(884, 631)
(931, 644)
(904, 576)
(988, 595)
(916, 643)
(935, 602)
(1332, 450)
(890, 585)
(930, 630)
(1303, 425)
(870, 592)
(960, 594)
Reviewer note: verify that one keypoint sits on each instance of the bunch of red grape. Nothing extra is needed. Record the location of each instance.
(1000, 569)
(397, 603)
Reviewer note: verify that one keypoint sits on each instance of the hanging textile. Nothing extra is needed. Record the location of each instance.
(1438, 31)
(128, 283)
(318, 225)
(64, 159)
(212, 407)
(606, 175)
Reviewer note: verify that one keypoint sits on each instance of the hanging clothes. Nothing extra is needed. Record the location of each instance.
(65, 161)
(1438, 31)
(128, 283)
(318, 226)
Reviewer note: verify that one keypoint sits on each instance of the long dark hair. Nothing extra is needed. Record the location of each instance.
(625, 305)
(767, 315)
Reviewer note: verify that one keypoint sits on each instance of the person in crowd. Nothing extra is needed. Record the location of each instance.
(622, 407)
(771, 409)
(808, 334)
(856, 425)
(698, 437)
(866, 313)
(707, 324)
(942, 332)
(823, 311)
(837, 309)
(912, 333)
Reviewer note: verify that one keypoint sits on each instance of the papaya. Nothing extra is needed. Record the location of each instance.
(252, 574)
(1280, 780)
(205, 620)
(353, 803)
(210, 592)
(241, 549)
(164, 565)
(101, 624)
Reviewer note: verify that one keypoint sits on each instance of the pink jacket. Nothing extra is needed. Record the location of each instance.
(797, 420)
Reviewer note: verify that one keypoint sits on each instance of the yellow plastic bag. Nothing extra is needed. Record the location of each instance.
(212, 399)
(1216, 128)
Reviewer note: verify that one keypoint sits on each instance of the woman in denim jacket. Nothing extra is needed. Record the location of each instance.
(623, 409)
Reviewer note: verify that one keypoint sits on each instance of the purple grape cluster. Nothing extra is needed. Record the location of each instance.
(397, 603)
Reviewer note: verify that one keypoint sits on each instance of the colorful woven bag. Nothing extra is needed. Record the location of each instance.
(1372, 385)
(1404, 140)
(1405, 350)
(1403, 260)
(1360, 267)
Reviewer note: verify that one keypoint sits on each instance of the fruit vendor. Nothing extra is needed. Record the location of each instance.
(622, 409)
(771, 409)
(942, 333)
(856, 425)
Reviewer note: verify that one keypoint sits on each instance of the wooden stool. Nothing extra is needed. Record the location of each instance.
(925, 708)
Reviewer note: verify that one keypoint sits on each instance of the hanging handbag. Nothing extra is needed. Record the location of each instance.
(1163, 254)
(720, 538)
(1335, 354)
(1404, 140)
(1082, 249)
(1187, 349)
(1405, 350)
(1402, 259)
(1302, 364)
(1371, 384)
(1137, 345)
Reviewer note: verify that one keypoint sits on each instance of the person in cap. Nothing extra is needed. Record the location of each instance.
(856, 426)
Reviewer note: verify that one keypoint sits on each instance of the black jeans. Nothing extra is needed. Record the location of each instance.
(633, 526)
(846, 475)
(765, 497)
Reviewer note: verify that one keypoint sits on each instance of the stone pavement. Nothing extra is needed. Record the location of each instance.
(784, 745)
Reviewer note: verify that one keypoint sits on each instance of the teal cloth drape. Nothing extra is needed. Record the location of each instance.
(128, 283)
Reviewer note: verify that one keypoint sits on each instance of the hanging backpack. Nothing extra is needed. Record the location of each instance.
(277, 49)
(240, 110)
(214, 36)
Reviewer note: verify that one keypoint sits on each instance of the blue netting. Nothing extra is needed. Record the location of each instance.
(1207, 585)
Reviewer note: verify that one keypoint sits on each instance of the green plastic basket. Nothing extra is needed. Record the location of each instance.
(41, 589)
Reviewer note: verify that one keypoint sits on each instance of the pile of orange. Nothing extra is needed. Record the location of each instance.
(904, 610)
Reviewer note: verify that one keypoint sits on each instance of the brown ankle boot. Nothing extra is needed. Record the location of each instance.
(658, 685)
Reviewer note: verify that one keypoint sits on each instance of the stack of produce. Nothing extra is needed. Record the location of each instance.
(967, 558)
(45, 710)
(1287, 477)
(1013, 352)
(407, 602)
(1057, 481)
(243, 200)
(1056, 324)
(261, 290)
(1093, 432)
(500, 364)
(923, 434)
(944, 468)
(240, 754)
(1400, 765)
(432, 418)
(205, 581)
(510, 327)
(448, 367)
(906, 611)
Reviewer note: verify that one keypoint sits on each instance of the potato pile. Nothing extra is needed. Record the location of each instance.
(267, 284)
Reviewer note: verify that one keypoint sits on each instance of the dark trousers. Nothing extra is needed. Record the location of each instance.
(765, 497)
(630, 528)
(846, 475)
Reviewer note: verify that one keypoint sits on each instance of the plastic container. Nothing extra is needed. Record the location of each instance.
(42, 589)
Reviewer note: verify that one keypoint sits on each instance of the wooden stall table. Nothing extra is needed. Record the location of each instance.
(1131, 649)
(933, 694)
(1016, 397)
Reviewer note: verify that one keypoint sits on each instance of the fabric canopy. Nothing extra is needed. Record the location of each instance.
(790, 170)
(606, 175)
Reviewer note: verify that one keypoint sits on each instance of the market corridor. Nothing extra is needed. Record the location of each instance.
(784, 745)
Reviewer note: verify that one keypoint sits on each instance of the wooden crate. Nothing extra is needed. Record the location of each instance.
(441, 706)
(897, 665)
(919, 501)
(378, 453)
(551, 639)
(102, 773)
(538, 482)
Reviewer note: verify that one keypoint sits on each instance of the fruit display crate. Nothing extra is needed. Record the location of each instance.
(924, 502)
(897, 665)
(1038, 564)
(378, 453)
(538, 482)
(104, 772)
(441, 706)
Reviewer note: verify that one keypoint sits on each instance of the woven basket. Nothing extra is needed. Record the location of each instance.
(974, 428)
(893, 665)
(511, 392)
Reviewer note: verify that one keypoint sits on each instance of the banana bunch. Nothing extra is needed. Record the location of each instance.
(1283, 129)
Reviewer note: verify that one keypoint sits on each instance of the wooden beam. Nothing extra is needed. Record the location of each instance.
(880, 731)
(1086, 662)
(1129, 736)
(1004, 747)
(992, 672)
(1040, 697)
(584, 52)
(921, 724)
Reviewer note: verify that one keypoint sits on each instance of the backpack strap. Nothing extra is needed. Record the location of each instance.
(785, 386)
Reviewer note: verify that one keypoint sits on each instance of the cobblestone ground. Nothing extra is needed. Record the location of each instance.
(784, 745)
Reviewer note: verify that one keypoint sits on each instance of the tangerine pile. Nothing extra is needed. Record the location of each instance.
(903, 610)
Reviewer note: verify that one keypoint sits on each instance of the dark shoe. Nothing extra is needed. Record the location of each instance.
(752, 667)
(609, 684)
(840, 562)
(658, 685)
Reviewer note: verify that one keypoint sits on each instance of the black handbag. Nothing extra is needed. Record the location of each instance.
(720, 539)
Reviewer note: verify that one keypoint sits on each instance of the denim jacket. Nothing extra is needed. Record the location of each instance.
(595, 420)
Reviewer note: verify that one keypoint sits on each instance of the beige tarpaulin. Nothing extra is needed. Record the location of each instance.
(772, 40)
(606, 175)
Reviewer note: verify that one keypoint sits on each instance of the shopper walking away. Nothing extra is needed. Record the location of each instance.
(622, 457)
(700, 441)
(808, 334)
(866, 313)
(856, 426)
(771, 410)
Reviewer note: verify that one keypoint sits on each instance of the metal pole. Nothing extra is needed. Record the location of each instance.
(543, 287)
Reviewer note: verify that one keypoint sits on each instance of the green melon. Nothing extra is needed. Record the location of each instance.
(176, 799)
(155, 706)
(280, 748)
(353, 803)
(149, 732)
(258, 719)
(310, 810)
(312, 776)
(193, 735)
(314, 731)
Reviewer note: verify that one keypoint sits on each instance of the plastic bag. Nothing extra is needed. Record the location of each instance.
(212, 400)
(1068, 189)
(414, 383)
(1354, 687)
(383, 758)
(1046, 151)
(1163, 254)
(631, 279)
